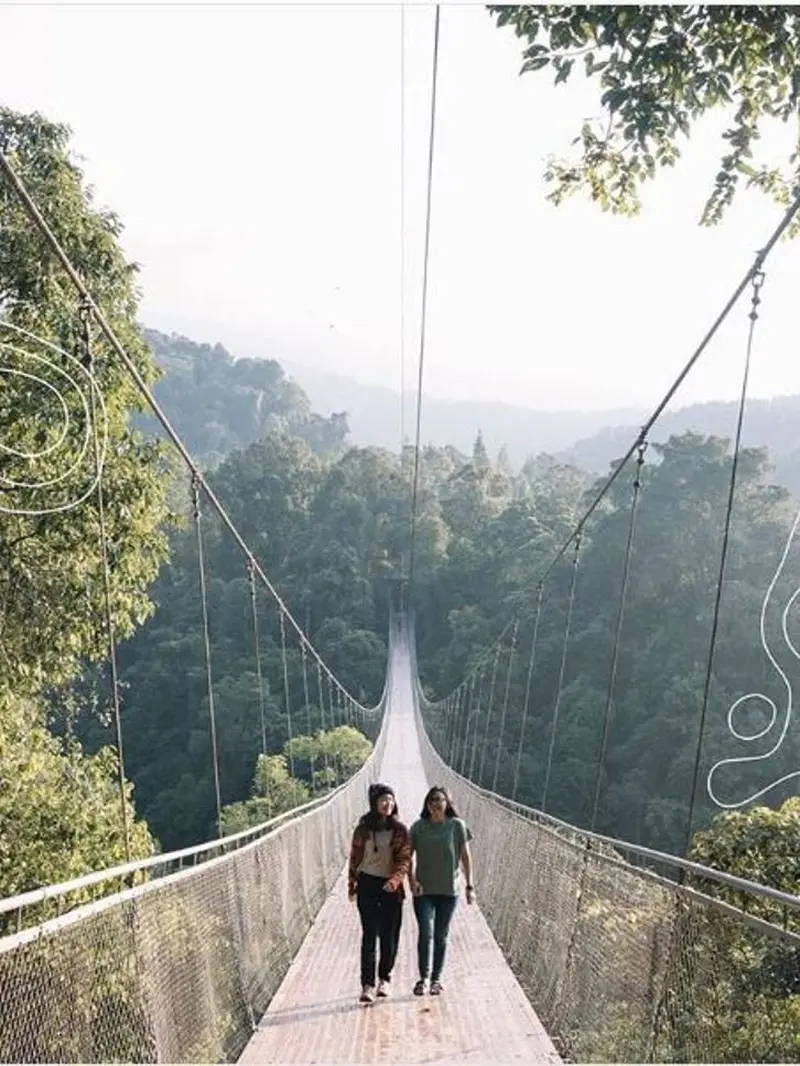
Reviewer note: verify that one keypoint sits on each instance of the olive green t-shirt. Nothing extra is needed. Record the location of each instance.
(437, 846)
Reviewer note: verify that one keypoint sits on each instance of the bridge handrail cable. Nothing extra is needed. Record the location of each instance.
(531, 814)
(226, 845)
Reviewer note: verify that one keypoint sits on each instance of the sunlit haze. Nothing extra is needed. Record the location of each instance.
(254, 155)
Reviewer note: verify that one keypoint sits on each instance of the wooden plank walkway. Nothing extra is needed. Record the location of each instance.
(483, 1014)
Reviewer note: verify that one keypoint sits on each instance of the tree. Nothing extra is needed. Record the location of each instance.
(504, 462)
(329, 757)
(274, 791)
(59, 808)
(356, 656)
(660, 69)
(325, 760)
(52, 606)
(347, 749)
(758, 844)
(762, 1007)
(480, 456)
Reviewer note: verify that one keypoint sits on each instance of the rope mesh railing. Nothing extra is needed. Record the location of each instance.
(178, 969)
(622, 963)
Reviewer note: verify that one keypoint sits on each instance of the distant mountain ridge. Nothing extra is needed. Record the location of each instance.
(220, 403)
(774, 424)
(590, 440)
(373, 414)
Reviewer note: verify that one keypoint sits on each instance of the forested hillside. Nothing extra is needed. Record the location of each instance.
(665, 639)
(218, 403)
(770, 424)
(325, 534)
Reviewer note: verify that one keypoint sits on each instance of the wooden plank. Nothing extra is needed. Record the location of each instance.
(315, 1017)
(483, 1014)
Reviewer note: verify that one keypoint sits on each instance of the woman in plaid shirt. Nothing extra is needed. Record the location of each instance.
(380, 858)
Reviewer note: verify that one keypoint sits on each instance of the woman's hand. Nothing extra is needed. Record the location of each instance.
(470, 894)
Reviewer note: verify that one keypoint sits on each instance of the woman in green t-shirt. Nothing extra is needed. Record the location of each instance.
(439, 842)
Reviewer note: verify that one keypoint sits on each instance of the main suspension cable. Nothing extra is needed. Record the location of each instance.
(644, 432)
(52, 241)
(424, 308)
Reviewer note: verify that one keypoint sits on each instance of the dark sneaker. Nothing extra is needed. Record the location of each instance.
(419, 987)
(436, 988)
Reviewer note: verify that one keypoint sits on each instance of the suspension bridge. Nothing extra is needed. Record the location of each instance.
(580, 947)
(245, 948)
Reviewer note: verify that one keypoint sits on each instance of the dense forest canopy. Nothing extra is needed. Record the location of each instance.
(333, 529)
(587, 439)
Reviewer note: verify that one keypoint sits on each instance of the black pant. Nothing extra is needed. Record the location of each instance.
(381, 915)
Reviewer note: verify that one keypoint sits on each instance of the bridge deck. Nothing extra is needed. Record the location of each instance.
(483, 1014)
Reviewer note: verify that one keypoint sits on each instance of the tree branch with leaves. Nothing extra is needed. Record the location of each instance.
(659, 70)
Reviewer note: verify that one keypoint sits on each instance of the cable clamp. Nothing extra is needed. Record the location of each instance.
(757, 281)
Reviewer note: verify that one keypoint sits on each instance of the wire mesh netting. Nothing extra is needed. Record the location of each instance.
(623, 964)
(179, 969)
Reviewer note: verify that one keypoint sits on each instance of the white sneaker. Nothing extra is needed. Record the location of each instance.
(367, 994)
(384, 989)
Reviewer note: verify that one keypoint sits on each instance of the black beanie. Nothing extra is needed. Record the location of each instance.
(377, 790)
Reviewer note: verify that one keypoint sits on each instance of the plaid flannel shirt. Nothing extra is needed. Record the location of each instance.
(401, 856)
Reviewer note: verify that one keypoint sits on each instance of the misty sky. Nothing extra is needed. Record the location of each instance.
(256, 158)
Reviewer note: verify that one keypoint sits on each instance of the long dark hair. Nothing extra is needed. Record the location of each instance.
(372, 820)
(449, 810)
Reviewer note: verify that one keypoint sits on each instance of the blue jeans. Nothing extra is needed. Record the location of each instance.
(434, 914)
